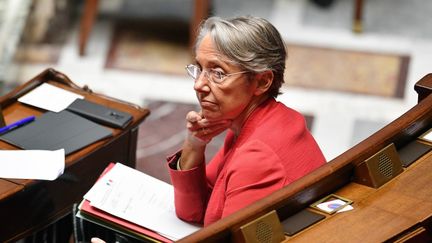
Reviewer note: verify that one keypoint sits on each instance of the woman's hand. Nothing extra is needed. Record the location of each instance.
(201, 130)
(97, 240)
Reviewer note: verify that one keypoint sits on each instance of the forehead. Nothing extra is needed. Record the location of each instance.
(207, 54)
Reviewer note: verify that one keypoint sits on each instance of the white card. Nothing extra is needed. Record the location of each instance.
(330, 206)
(49, 97)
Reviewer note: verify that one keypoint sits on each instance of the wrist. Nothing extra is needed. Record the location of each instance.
(192, 155)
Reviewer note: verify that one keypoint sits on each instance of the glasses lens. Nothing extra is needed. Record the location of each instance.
(193, 71)
(216, 76)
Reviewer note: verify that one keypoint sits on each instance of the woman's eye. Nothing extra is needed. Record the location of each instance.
(218, 74)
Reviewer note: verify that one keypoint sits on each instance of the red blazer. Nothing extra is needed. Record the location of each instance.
(274, 148)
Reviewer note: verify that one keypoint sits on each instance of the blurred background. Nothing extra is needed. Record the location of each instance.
(351, 68)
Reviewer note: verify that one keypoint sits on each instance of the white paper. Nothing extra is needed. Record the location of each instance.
(32, 164)
(49, 97)
(428, 136)
(139, 198)
(346, 208)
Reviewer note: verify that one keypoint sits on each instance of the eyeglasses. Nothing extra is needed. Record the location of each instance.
(211, 74)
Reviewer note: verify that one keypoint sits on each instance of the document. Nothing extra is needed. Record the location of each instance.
(32, 164)
(141, 199)
(49, 97)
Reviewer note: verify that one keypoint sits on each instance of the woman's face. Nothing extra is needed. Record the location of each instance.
(228, 99)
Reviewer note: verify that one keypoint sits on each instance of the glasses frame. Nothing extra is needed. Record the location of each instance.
(208, 73)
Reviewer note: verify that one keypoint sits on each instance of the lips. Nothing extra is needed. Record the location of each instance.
(208, 104)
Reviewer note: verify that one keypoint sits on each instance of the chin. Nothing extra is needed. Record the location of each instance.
(210, 114)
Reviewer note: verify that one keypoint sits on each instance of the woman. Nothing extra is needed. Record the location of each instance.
(239, 70)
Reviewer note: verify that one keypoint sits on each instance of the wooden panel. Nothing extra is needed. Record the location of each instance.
(8, 188)
(27, 206)
(424, 87)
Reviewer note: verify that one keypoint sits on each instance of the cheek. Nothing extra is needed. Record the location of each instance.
(231, 101)
(232, 104)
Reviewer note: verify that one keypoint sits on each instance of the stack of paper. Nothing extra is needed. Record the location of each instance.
(137, 198)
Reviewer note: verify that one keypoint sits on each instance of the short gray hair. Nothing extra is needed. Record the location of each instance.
(251, 42)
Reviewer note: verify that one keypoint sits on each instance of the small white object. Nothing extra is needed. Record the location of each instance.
(330, 206)
(32, 164)
(428, 136)
(50, 97)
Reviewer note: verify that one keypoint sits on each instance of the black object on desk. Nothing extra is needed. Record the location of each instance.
(53, 131)
(300, 221)
(412, 151)
(99, 113)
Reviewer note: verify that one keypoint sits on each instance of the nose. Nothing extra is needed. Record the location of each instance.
(201, 83)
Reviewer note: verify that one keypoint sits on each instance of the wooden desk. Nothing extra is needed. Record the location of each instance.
(400, 208)
(379, 214)
(27, 206)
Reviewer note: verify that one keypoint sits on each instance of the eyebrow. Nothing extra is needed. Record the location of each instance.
(216, 62)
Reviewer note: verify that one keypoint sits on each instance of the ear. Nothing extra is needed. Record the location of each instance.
(264, 81)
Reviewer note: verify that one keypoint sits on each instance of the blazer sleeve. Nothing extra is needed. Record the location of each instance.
(191, 190)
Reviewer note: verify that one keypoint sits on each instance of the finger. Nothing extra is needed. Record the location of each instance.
(96, 240)
(204, 131)
(215, 127)
(198, 137)
(193, 126)
(193, 116)
(214, 132)
(201, 134)
(210, 123)
(207, 133)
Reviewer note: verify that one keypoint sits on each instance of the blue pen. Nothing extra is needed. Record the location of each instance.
(17, 124)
